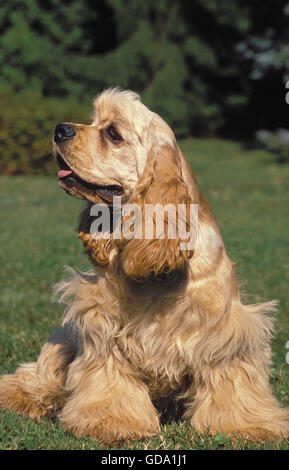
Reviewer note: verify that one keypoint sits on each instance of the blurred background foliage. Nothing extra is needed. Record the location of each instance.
(210, 68)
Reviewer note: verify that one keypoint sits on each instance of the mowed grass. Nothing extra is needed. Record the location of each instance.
(249, 195)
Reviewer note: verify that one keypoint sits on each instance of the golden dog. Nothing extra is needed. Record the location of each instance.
(152, 321)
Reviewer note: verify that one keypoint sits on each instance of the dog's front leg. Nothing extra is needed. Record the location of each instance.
(108, 401)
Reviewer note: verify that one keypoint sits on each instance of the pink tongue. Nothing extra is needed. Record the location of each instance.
(63, 173)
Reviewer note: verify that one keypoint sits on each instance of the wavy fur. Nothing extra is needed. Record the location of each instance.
(151, 322)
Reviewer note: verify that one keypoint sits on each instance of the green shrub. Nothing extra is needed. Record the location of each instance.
(27, 123)
(179, 55)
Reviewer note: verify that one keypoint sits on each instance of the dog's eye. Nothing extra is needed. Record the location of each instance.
(113, 134)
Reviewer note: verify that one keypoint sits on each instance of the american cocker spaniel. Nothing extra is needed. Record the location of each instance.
(156, 319)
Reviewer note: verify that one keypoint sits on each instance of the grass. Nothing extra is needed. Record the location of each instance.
(249, 195)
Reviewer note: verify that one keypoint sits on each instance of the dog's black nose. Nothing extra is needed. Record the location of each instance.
(63, 132)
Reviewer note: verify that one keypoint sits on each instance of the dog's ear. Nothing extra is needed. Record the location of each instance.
(161, 184)
(99, 249)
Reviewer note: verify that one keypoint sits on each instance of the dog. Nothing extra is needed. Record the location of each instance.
(152, 322)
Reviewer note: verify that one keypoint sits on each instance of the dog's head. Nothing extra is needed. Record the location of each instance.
(106, 158)
(126, 151)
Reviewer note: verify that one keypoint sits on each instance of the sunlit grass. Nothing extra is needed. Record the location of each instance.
(249, 195)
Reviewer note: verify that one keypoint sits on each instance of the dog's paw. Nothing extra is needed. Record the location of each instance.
(261, 435)
(109, 430)
(13, 397)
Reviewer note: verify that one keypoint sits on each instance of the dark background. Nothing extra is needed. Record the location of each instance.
(209, 67)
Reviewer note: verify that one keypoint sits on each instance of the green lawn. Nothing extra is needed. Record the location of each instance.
(249, 195)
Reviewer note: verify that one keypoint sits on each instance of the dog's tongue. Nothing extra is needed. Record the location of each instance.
(63, 173)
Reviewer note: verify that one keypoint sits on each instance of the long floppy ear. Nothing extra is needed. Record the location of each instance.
(161, 184)
(98, 250)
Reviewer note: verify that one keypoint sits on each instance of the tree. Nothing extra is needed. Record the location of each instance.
(187, 59)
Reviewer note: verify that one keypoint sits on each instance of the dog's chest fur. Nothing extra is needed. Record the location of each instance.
(147, 331)
(153, 353)
(152, 335)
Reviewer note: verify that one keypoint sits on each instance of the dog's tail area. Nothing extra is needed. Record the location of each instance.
(254, 326)
(262, 329)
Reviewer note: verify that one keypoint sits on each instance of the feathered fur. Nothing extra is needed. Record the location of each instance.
(151, 321)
